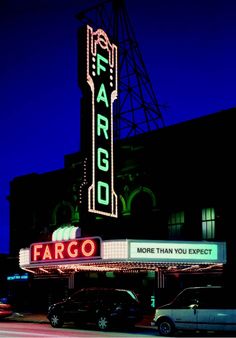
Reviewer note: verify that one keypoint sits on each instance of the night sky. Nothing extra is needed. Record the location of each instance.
(188, 47)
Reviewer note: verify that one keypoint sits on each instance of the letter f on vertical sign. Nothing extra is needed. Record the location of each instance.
(102, 80)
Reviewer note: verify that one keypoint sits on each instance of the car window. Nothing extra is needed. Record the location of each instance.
(186, 299)
(210, 299)
(217, 298)
(84, 295)
(124, 296)
(106, 295)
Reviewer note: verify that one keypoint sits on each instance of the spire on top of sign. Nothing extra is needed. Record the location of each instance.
(137, 110)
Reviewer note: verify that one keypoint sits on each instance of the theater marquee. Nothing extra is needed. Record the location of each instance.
(96, 254)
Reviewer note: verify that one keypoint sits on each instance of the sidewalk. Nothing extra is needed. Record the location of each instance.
(42, 319)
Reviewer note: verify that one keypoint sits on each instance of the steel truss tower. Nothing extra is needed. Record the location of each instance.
(137, 110)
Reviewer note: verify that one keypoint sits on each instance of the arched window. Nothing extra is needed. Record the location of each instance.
(63, 213)
(141, 203)
(137, 196)
(141, 207)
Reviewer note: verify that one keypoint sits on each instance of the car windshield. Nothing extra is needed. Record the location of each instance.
(127, 294)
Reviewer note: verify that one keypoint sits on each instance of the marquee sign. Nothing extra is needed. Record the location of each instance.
(77, 249)
(176, 251)
(126, 253)
(99, 87)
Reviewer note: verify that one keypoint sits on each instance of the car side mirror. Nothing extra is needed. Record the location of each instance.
(194, 307)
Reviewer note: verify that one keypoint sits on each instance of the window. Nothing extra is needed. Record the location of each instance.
(186, 299)
(208, 223)
(176, 225)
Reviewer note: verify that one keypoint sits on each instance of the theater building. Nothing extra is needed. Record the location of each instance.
(153, 212)
(175, 218)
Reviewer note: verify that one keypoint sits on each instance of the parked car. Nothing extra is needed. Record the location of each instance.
(198, 308)
(104, 307)
(5, 310)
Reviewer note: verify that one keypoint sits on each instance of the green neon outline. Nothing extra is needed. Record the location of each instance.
(125, 211)
(136, 192)
(59, 205)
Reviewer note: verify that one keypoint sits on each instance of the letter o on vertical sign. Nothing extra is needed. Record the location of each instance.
(103, 193)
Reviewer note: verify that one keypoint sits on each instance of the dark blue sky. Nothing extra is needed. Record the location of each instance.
(188, 47)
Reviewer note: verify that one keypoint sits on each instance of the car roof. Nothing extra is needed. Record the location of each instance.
(204, 287)
(104, 289)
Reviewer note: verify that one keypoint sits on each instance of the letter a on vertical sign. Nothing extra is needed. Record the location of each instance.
(101, 77)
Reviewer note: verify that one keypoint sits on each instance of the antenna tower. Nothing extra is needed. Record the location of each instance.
(137, 110)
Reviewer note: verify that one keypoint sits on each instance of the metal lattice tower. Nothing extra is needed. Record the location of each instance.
(137, 110)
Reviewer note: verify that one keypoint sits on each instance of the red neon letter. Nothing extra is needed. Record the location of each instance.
(36, 252)
(91, 248)
(75, 251)
(59, 247)
(47, 253)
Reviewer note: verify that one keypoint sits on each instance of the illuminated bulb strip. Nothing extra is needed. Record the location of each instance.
(24, 257)
(133, 267)
(115, 249)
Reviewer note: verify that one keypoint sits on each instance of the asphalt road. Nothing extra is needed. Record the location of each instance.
(33, 330)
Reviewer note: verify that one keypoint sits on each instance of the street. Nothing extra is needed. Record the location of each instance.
(31, 330)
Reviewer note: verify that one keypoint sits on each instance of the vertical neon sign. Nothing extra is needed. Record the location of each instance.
(101, 77)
